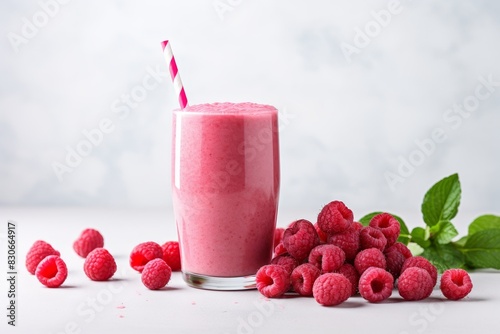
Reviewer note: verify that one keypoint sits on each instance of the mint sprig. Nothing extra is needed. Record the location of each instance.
(480, 248)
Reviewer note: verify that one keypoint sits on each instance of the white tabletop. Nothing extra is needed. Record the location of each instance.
(124, 305)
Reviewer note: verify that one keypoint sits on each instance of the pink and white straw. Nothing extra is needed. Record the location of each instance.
(174, 73)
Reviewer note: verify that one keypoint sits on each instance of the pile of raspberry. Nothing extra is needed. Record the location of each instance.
(337, 258)
(154, 262)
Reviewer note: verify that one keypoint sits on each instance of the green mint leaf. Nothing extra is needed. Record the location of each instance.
(442, 200)
(460, 243)
(484, 222)
(404, 238)
(420, 236)
(444, 257)
(443, 232)
(404, 235)
(365, 220)
(482, 249)
(415, 249)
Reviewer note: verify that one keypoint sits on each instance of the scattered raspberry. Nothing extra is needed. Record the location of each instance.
(331, 289)
(88, 240)
(156, 274)
(371, 257)
(335, 217)
(415, 284)
(51, 271)
(370, 237)
(395, 257)
(455, 284)
(285, 260)
(37, 253)
(99, 265)
(272, 280)
(352, 275)
(278, 235)
(375, 285)
(327, 258)
(388, 225)
(421, 262)
(299, 238)
(303, 278)
(348, 241)
(143, 253)
(172, 255)
(323, 237)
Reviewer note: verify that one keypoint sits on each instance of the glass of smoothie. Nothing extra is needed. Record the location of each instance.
(225, 188)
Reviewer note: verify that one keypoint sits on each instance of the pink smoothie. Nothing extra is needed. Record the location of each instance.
(225, 185)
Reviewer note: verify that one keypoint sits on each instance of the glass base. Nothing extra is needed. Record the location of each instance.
(219, 283)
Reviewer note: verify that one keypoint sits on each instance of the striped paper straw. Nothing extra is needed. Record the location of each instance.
(174, 73)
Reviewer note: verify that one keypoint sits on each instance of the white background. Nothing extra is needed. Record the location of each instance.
(348, 120)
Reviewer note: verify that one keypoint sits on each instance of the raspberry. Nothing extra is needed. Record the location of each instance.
(323, 237)
(37, 253)
(371, 257)
(389, 225)
(51, 271)
(357, 226)
(278, 235)
(415, 284)
(331, 289)
(395, 257)
(285, 260)
(394, 262)
(303, 278)
(455, 284)
(156, 274)
(299, 238)
(172, 255)
(352, 275)
(335, 217)
(370, 237)
(272, 280)
(99, 265)
(348, 241)
(279, 249)
(143, 253)
(421, 262)
(327, 258)
(375, 285)
(88, 240)
(400, 247)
